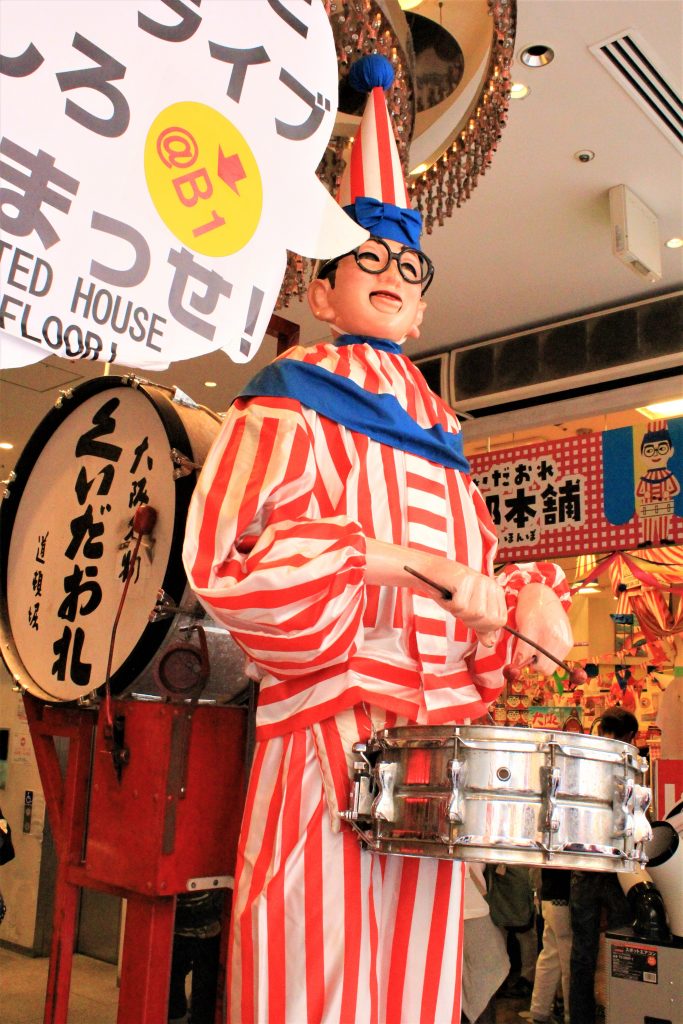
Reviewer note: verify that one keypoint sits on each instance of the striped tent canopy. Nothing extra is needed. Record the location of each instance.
(649, 583)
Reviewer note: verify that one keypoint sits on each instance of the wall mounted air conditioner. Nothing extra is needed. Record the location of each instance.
(581, 362)
(635, 233)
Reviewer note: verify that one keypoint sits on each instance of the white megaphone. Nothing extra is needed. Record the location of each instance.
(646, 903)
(665, 866)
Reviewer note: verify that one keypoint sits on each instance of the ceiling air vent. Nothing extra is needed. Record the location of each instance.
(628, 59)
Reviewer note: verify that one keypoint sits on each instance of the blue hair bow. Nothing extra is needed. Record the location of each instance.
(387, 220)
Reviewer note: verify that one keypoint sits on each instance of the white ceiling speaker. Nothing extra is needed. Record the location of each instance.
(635, 233)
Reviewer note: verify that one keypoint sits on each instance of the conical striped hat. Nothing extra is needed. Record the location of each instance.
(373, 190)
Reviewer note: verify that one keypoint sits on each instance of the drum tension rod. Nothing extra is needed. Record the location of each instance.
(447, 595)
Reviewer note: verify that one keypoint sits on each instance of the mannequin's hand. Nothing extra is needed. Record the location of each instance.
(541, 617)
(478, 600)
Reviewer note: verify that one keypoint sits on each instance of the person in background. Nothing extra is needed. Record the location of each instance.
(196, 951)
(511, 901)
(552, 965)
(594, 896)
(6, 853)
(485, 962)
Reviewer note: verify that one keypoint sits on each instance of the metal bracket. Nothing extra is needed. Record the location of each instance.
(367, 838)
(113, 736)
(362, 788)
(176, 782)
(210, 882)
(183, 465)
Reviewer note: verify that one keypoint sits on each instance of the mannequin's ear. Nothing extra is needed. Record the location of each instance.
(414, 331)
(319, 299)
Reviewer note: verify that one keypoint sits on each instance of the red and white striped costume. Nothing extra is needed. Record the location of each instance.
(275, 549)
(657, 488)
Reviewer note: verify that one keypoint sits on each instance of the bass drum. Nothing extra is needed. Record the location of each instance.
(108, 447)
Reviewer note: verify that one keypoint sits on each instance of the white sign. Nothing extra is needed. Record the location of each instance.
(157, 160)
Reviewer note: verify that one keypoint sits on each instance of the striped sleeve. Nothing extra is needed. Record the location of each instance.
(485, 663)
(287, 582)
(514, 577)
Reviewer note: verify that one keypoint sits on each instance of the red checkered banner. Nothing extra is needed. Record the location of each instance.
(594, 493)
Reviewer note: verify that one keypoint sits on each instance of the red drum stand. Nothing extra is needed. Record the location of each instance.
(149, 814)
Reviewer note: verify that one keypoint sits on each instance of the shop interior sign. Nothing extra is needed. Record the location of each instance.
(157, 161)
(598, 492)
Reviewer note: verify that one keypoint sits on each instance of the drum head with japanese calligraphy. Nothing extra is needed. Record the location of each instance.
(69, 520)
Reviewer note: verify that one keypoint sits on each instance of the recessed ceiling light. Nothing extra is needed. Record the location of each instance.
(674, 243)
(7, 445)
(660, 410)
(519, 91)
(537, 56)
(584, 156)
(210, 384)
(409, 5)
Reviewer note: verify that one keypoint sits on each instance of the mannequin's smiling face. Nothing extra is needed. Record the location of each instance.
(376, 305)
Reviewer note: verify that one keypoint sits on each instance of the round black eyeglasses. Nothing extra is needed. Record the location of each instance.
(375, 255)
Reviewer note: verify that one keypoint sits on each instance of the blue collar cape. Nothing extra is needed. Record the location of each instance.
(341, 400)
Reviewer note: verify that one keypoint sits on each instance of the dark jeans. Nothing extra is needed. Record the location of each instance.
(591, 894)
(201, 956)
(487, 1015)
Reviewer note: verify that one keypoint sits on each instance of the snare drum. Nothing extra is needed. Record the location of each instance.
(110, 445)
(506, 795)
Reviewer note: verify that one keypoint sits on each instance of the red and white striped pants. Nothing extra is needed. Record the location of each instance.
(322, 930)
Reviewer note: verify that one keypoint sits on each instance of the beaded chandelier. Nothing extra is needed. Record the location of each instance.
(363, 26)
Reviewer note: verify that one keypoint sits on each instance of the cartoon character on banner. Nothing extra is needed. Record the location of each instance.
(642, 474)
(335, 469)
(148, 198)
(657, 486)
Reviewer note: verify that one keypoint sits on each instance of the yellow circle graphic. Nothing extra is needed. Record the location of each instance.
(203, 179)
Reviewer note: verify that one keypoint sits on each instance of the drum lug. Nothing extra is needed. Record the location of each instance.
(642, 831)
(623, 808)
(132, 380)
(550, 776)
(455, 804)
(65, 394)
(630, 803)
(183, 465)
(383, 806)
(8, 482)
(180, 398)
(166, 608)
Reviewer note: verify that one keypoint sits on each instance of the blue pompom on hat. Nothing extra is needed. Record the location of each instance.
(373, 190)
(371, 72)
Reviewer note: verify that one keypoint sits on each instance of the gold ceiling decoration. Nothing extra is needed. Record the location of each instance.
(460, 141)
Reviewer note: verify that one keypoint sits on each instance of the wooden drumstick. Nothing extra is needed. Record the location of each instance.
(447, 595)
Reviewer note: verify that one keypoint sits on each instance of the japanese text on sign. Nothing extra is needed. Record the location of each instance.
(525, 498)
(147, 216)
